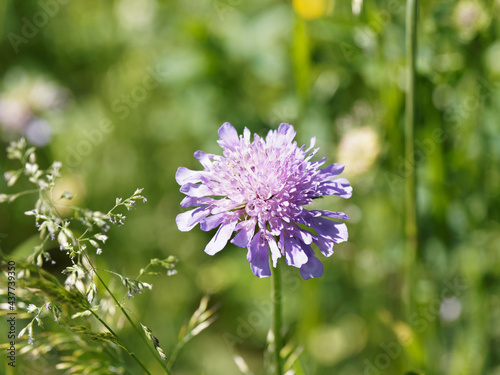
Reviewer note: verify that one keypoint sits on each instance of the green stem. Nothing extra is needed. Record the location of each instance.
(175, 353)
(410, 207)
(20, 194)
(121, 343)
(276, 296)
(116, 358)
(140, 332)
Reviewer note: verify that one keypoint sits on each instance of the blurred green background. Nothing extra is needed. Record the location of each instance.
(123, 92)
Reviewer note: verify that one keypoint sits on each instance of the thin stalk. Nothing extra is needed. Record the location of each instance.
(121, 343)
(140, 332)
(276, 296)
(410, 206)
(20, 194)
(175, 353)
(116, 358)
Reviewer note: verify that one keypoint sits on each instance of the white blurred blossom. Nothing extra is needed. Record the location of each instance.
(469, 18)
(14, 114)
(358, 149)
(24, 100)
(356, 6)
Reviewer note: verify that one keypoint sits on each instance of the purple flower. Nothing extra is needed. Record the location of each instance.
(258, 189)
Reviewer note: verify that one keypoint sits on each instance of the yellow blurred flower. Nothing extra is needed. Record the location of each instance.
(358, 149)
(312, 9)
(68, 192)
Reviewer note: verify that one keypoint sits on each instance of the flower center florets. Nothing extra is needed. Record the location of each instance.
(263, 178)
(256, 207)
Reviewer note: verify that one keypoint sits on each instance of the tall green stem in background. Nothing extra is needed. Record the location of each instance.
(410, 206)
(276, 297)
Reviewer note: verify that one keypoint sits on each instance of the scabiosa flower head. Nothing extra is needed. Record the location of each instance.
(258, 189)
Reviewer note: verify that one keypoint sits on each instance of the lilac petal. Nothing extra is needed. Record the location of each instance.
(185, 175)
(211, 222)
(195, 201)
(203, 158)
(338, 187)
(332, 230)
(313, 142)
(343, 181)
(219, 241)
(224, 205)
(337, 215)
(188, 220)
(275, 226)
(317, 163)
(295, 255)
(313, 268)
(302, 235)
(246, 134)
(325, 245)
(228, 136)
(330, 172)
(258, 256)
(286, 132)
(311, 155)
(247, 229)
(275, 251)
(195, 190)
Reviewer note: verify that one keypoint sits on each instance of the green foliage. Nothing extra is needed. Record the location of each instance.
(77, 298)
